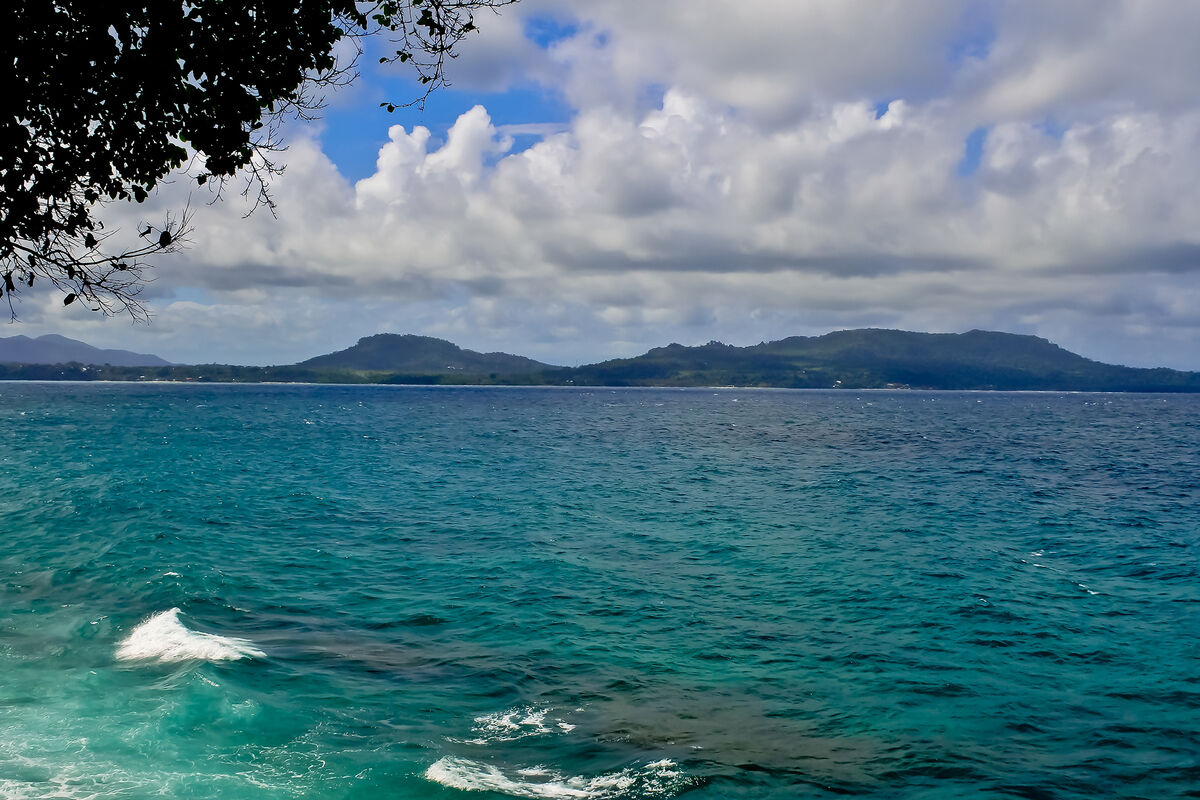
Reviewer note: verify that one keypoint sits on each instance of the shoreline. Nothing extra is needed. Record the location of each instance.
(587, 387)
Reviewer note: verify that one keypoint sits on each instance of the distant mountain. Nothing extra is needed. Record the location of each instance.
(55, 349)
(874, 358)
(856, 359)
(421, 355)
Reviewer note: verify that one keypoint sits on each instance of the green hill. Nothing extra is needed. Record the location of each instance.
(874, 358)
(855, 359)
(421, 355)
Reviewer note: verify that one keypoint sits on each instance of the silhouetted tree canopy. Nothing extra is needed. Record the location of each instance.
(108, 97)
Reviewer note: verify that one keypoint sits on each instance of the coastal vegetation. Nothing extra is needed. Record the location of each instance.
(854, 359)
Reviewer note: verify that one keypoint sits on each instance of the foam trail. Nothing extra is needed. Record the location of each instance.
(515, 723)
(163, 637)
(658, 779)
(462, 773)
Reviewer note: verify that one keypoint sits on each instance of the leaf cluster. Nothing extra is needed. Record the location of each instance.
(107, 99)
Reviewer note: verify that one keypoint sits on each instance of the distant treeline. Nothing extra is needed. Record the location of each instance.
(634, 374)
(859, 359)
(219, 373)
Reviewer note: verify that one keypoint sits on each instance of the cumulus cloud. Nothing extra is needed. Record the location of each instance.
(743, 171)
(773, 60)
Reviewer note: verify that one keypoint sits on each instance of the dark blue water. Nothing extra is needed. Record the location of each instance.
(383, 592)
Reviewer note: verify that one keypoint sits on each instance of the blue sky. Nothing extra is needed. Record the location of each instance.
(604, 177)
(351, 135)
(354, 126)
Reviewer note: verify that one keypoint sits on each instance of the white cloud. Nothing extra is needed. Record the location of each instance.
(1084, 58)
(761, 194)
(771, 59)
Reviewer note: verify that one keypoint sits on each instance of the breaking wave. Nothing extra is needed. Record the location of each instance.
(164, 638)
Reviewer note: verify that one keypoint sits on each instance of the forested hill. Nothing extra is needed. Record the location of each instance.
(390, 352)
(856, 359)
(874, 358)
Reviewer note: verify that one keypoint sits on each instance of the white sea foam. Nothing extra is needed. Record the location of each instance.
(163, 637)
(656, 779)
(515, 723)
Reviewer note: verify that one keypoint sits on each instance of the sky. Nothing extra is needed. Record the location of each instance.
(607, 176)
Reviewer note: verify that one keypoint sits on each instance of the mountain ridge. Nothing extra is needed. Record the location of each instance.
(55, 349)
(863, 358)
(878, 358)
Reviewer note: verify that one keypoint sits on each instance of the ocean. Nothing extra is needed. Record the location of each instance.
(254, 591)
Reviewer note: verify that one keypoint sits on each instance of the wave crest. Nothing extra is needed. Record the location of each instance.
(163, 637)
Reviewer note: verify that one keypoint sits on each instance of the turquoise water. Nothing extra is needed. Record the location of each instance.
(386, 592)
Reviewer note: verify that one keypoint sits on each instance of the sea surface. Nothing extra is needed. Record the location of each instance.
(394, 592)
